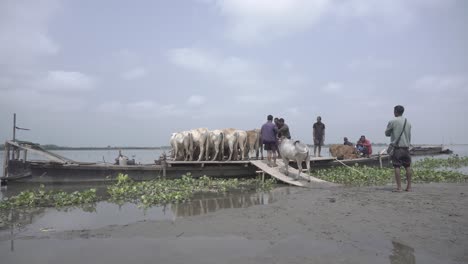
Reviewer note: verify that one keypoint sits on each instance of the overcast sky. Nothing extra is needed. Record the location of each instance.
(98, 73)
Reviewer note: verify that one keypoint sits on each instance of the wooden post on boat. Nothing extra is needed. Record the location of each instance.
(164, 165)
(6, 158)
(14, 127)
(25, 155)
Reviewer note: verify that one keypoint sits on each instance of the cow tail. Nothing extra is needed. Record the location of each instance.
(207, 146)
(191, 145)
(222, 145)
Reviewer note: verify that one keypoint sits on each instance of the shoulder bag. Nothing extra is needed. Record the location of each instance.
(391, 147)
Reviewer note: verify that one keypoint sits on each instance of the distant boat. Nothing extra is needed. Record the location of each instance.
(429, 150)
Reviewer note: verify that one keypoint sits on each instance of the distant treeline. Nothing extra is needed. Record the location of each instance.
(55, 147)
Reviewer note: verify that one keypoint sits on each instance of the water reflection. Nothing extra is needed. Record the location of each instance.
(204, 205)
(402, 254)
(41, 222)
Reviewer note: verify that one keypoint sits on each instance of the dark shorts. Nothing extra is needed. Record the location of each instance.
(318, 142)
(401, 157)
(270, 145)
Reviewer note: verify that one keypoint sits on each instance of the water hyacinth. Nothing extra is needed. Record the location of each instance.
(146, 193)
(43, 198)
(424, 171)
(162, 191)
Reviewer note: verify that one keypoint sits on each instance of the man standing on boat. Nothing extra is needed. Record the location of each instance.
(283, 130)
(319, 135)
(269, 133)
(399, 131)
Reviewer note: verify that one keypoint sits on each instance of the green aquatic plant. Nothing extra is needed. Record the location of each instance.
(162, 191)
(146, 193)
(44, 198)
(433, 163)
(423, 172)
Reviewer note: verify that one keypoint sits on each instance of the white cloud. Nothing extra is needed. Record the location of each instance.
(23, 31)
(441, 83)
(262, 20)
(196, 100)
(145, 109)
(206, 62)
(293, 111)
(370, 63)
(247, 78)
(333, 87)
(135, 73)
(64, 81)
(35, 100)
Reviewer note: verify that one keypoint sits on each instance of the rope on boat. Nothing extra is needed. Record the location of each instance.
(342, 163)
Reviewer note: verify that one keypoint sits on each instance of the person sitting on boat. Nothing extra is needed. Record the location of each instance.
(364, 146)
(347, 142)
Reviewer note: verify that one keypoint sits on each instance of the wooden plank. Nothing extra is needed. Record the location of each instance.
(313, 159)
(173, 162)
(293, 171)
(275, 173)
(40, 151)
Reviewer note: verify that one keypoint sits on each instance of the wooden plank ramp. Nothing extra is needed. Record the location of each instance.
(275, 173)
(278, 173)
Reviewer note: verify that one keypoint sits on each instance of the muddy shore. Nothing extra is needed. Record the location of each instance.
(330, 225)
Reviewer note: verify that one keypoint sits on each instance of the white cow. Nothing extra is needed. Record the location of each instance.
(215, 145)
(297, 151)
(230, 141)
(254, 144)
(241, 144)
(199, 136)
(182, 145)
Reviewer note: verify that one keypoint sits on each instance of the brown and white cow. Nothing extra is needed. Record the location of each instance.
(182, 145)
(254, 144)
(199, 137)
(230, 142)
(215, 145)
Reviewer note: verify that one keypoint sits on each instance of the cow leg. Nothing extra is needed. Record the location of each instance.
(176, 152)
(202, 151)
(242, 152)
(299, 168)
(231, 151)
(216, 152)
(286, 166)
(308, 165)
(185, 154)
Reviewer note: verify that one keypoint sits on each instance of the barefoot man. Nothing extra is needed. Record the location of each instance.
(268, 133)
(399, 131)
(319, 135)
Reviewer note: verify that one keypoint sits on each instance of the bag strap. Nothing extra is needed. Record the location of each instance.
(403, 130)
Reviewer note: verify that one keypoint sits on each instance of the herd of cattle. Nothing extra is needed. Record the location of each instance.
(221, 144)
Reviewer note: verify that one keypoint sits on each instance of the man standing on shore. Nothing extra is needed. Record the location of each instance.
(269, 133)
(399, 131)
(319, 135)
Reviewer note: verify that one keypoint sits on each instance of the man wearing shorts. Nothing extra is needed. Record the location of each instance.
(401, 156)
(319, 135)
(269, 133)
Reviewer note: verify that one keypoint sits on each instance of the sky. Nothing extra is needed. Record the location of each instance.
(129, 73)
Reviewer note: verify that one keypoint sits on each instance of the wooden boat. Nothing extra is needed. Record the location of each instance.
(429, 150)
(59, 169)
